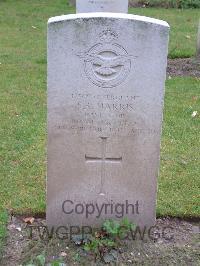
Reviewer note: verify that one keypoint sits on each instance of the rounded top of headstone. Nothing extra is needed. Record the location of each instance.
(87, 16)
(114, 6)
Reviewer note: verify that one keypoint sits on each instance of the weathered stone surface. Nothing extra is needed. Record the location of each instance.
(106, 78)
(115, 6)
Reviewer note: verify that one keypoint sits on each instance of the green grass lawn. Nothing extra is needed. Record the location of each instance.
(3, 221)
(18, 17)
(184, 25)
(179, 180)
(23, 111)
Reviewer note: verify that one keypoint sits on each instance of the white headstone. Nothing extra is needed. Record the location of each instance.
(115, 6)
(106, 79)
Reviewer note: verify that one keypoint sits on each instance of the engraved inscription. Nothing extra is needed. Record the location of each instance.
(103, 160)
(107, 64)
(102, 2)
(107, 114)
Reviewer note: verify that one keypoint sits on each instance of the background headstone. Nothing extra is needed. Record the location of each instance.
(115, 6)
(106, 78)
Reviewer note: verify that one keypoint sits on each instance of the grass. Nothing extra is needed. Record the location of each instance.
(179, 179)
(3, 221)
(184, 25)
(18, 17)
(167, 3)
(23, 111)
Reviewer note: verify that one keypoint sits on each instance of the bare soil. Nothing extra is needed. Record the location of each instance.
(183, 67)
(172, 242)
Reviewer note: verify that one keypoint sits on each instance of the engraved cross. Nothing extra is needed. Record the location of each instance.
(103, 160)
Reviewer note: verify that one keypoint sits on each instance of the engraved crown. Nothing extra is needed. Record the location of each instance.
(108, 36)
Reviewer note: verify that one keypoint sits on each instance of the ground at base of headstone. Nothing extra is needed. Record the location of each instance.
(173, 242)
(183, 67)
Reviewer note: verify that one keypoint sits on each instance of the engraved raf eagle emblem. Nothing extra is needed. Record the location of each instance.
(107, 64)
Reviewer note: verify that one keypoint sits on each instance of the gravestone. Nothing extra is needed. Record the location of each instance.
(106, 78)
(115, 6)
